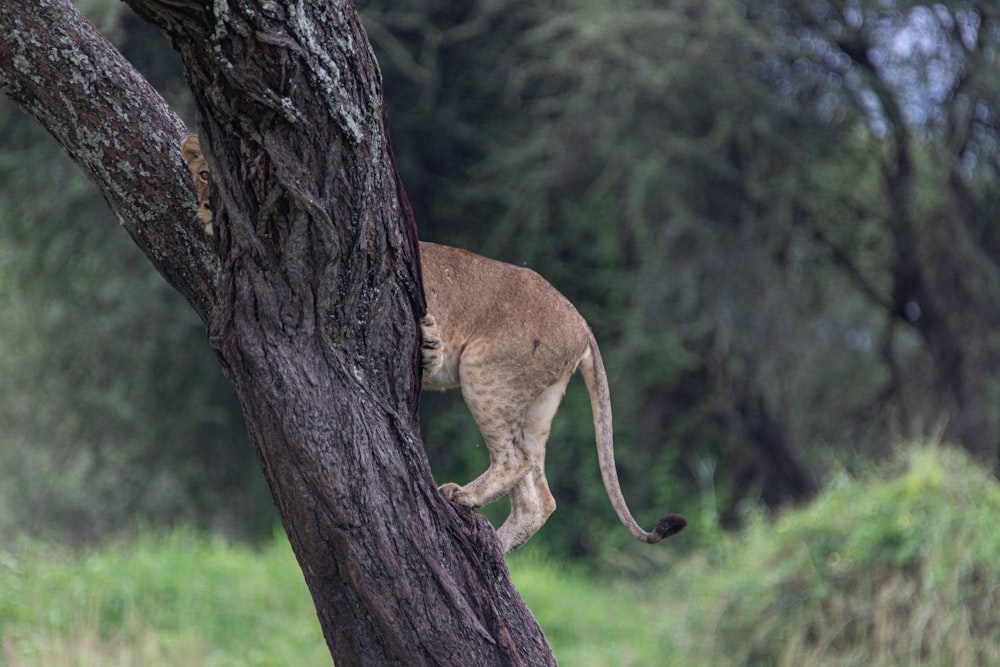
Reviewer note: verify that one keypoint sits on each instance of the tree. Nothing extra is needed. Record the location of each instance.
(310, 297)
(923, 86)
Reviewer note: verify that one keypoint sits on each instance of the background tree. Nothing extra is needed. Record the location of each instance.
(312, 308)
(921, 75)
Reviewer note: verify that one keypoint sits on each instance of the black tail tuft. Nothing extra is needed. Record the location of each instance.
(669, 525)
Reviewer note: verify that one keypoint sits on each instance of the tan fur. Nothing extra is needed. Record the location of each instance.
(511, 342)
(191, 150)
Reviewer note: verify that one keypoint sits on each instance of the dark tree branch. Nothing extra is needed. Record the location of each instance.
(843, 259)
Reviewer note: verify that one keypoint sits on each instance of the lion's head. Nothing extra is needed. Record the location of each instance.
(191, 150)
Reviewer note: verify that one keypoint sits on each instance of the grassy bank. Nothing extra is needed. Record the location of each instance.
(899, 570)
(902, 569)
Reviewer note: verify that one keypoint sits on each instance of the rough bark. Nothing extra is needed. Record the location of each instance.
(311, 293)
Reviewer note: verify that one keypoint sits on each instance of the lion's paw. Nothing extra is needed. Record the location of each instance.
(456, 493)
(431, 349)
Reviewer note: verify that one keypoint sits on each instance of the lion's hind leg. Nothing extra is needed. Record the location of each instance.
(498, 398)
(531, 501)
(499, 421)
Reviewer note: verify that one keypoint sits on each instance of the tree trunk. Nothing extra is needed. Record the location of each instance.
(311, 294)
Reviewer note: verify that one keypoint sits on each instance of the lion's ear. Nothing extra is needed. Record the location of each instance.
(191, 148)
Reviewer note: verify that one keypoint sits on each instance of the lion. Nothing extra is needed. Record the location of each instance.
(191, 150)
(511, 342)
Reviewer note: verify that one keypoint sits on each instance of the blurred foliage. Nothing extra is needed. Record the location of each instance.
(113, 407)
(777, 216)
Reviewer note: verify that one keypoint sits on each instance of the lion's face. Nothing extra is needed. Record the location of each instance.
(191, 149)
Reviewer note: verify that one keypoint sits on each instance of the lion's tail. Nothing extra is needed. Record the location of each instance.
(592, 369)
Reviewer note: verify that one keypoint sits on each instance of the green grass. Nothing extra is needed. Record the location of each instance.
(177, 599)
(899, 569)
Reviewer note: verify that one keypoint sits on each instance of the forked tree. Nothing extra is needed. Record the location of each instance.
(310, 292)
